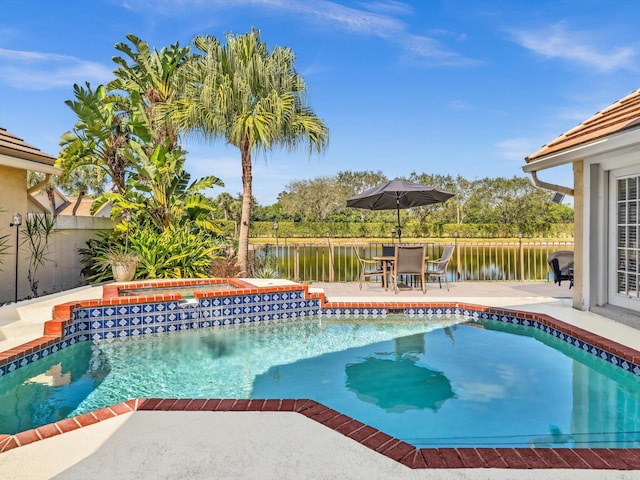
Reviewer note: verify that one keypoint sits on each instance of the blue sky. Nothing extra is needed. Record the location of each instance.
(437, 86)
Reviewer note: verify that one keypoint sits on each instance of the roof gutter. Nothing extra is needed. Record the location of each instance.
(555, 160)
(550, 186)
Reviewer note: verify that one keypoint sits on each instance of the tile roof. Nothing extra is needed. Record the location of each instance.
(13, 146)
(622, 115)
(83, 210)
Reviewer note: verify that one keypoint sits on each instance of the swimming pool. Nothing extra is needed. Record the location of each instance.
(436, 380)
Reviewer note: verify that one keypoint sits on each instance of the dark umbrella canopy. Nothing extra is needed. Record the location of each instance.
(398, 194)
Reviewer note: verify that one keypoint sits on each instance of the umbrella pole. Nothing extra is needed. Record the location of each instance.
(399, 229)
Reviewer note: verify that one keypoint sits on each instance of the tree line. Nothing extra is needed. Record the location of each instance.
(487, 201)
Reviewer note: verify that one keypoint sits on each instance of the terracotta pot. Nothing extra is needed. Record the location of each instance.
(124, 271)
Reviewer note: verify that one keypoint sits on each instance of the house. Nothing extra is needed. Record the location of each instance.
(17, 157)
(72, 229)
(604, 151)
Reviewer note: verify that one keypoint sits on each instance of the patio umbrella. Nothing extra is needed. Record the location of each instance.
(398, 194)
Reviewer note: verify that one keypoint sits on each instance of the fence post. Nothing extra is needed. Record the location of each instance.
(296, 264)
(331, 276)
(521, 258)
(455, 236)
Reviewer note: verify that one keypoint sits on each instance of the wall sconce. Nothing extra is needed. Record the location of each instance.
(16, 221)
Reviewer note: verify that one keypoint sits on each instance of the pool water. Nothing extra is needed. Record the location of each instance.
(432, 381)
(187, 291)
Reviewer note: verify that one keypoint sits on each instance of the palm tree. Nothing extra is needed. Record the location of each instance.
(254, 99)
(228, 204)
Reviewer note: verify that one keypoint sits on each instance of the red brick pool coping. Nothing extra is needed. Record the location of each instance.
(402, 452)
(412, 457)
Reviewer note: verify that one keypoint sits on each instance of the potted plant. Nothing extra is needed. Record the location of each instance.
(122, 262)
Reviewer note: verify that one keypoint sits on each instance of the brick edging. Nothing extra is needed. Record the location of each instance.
(380, 442)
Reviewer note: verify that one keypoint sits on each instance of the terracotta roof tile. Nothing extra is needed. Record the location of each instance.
(622, 115)
(13, 146)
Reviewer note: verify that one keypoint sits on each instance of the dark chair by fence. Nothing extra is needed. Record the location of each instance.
(368, 268)
(409, 261)
(438, 268)
(561, 265)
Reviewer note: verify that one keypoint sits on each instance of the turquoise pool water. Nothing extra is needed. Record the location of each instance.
(187, 291)
(432, 381)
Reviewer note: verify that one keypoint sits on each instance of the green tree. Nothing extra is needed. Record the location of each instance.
(98, 137)
(355, 182)
(252, 98)
(152, 80)
(509, 201)
(228, 205)
(160, 190)
(315, 200)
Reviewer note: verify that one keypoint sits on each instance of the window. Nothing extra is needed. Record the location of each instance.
(627, 237)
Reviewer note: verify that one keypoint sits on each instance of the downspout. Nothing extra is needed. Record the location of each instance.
(550, 186)
(41, 185)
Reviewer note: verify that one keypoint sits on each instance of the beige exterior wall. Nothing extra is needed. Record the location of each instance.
(578, 234)
(62, 270)
(13, 199)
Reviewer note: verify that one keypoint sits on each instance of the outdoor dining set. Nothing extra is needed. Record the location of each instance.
(397, 261)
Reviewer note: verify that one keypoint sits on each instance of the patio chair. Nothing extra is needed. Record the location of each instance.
(368, 268)
(438, 268)
(561, 265)
(409, 261)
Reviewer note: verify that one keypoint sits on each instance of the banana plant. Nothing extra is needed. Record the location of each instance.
(160, 190)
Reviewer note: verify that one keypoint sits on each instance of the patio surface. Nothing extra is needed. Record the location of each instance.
(266, 445)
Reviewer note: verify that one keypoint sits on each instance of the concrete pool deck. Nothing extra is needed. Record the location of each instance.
(282, 445)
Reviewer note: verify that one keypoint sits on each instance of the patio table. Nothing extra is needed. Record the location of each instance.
(387, 262)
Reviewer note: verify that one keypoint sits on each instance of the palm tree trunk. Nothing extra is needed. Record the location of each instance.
(243, 241)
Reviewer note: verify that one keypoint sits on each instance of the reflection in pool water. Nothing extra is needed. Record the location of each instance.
(397, 382)
(437, 381)
(52, 388)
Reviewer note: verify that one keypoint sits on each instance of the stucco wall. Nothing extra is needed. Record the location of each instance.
(62, 270)
(13, 199)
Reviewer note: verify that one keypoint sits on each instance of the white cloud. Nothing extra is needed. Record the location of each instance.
(433, 50)
(459, 105)
(479, 391)
(516, 148)
(28, 70)
(375, 19)
(389, 6)
(585, 48)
